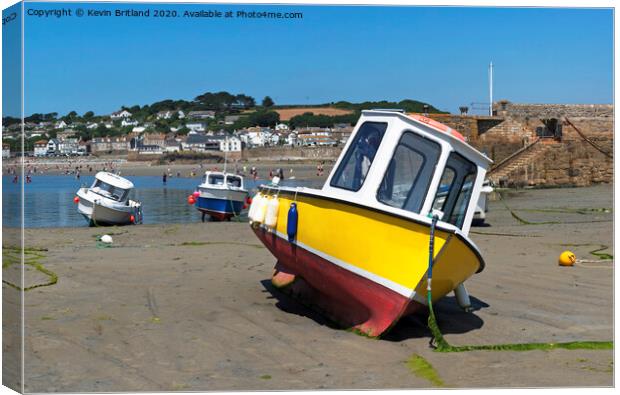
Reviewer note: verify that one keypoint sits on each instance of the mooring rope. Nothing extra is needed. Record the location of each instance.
(440, 344)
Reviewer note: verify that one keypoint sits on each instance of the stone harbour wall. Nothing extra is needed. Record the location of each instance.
(505, 108)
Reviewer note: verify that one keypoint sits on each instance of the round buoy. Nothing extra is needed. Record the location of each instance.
(191, 200)
(196, 194)
(567, 258)
(107, 239)
(76, 200)
(132, 219)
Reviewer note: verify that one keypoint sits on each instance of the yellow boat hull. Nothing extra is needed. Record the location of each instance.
(346, 258)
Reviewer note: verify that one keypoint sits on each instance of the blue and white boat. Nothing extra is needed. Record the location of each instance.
(221, 195)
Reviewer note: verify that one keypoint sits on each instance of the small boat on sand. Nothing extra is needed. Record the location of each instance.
(107, 202)
(221, 195)
(357, 249)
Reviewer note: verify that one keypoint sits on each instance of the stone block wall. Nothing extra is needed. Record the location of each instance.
(504, 139)
(505, 108)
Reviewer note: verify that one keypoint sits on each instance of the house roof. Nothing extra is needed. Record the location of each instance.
(196, 138)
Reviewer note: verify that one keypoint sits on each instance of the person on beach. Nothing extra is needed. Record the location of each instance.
(164, 177)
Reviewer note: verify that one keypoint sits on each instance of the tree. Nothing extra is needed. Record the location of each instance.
(264, 118)
(245, 101)
(268, 102)
(88, 115)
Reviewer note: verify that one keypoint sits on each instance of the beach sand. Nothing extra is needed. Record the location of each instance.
(191, 307)
(301, 169)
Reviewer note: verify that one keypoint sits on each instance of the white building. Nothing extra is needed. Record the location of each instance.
(196, 126)
(291, 139)
(129, 122)
(230, 144)
(120, 114)
(68, 146)
(60, 125)
(281, 127)
(40, 148)
(6, 150)
(53, 146)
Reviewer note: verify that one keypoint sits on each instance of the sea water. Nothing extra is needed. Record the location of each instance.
(48, 200)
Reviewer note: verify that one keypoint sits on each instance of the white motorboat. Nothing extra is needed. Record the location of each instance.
(107, 202)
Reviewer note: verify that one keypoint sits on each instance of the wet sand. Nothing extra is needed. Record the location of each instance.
(190, 307)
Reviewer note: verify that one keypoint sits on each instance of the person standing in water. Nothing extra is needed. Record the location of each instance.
(164, 177)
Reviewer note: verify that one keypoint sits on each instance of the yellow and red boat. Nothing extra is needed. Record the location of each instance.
(357, 249)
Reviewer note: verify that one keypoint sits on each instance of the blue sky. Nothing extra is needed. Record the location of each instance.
(437, 55)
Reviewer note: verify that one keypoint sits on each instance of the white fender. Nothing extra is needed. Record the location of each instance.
(271, 217)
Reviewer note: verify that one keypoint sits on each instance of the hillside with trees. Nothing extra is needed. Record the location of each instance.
(243, 109)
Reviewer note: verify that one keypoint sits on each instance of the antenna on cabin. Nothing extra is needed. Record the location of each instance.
(491, 89)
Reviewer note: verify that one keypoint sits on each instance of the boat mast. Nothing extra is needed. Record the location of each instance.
(491, 89)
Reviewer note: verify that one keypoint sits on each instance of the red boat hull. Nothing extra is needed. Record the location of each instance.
(346, 298)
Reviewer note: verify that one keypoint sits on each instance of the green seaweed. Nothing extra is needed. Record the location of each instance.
(602, 255)
(265, 377)
(423, 369)
(568, 210)
(441, 345)
(32, 256)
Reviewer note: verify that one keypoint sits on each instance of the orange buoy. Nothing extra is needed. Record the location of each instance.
(76, 200)
(567, 258)
(191, 200)
(132, 219)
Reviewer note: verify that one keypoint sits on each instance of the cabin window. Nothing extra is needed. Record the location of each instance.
(455, 189)
(216, 179)
(409, 173)
(354, 167)
(234, 182)
(109, 191)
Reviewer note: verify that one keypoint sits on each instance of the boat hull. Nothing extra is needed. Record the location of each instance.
(346, 298)
(99, 215)
(221, 204)
(361, 267)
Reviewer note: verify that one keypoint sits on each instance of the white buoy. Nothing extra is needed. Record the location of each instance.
(107, 239)
(271, 217)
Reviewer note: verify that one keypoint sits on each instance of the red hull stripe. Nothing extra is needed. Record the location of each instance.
(345, 297)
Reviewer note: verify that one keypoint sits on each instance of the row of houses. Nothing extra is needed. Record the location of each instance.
(305, 137)
(160, 143)
(62, 146)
